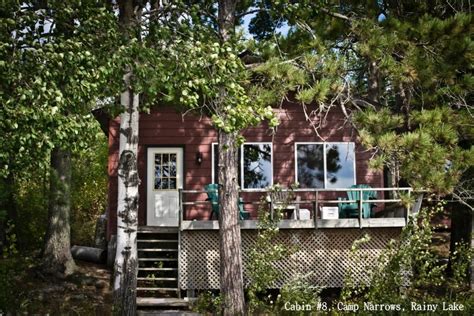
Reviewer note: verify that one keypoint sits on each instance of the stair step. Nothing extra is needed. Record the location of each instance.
(157, 269)
(165, 302)
(158, 249)
(168, 289)
(157, 240)
(157, 259)
(157, 230)
(157, 279)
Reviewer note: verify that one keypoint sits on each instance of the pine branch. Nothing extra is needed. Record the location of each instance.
(239, 16)
(336, 15)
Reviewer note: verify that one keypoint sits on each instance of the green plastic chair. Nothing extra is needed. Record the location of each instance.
(212, 191)
(351, 210)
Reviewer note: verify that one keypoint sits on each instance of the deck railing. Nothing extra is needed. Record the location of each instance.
(317, 198)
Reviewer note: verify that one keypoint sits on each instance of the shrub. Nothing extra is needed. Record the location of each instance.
(408, 270)
(299, 292)
(207, 303)
(261, 271)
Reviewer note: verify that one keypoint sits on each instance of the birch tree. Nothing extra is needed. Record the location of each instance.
(126, 259)
(188, 57)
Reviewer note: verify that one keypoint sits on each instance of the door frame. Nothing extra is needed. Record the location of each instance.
(145, 178)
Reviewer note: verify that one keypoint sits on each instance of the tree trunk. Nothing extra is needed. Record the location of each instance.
(402, 98)
(229, 232)
(373, 82)
(232, 289)
(471, 271)
(126, 262)
(11, 215)
(57, 256)
(100, 237)
(126, 258)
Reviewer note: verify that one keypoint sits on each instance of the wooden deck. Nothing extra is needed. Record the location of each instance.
(321, 246)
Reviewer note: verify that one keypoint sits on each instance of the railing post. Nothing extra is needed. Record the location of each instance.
(408, 207)
(271, 208)
(361, 198)
(180, 218)
(180, 210)
(316, 207)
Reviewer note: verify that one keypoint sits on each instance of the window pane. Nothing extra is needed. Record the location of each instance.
(166, 169)
(173, 165)
(257, 166)
(157, 171)
(157, 183)
(310, 165)
(340, 165)
(172, 183)
(164, 184)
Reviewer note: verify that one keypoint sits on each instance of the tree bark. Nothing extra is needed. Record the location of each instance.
(402, 99)
(232, 289)
(126, 262)
(226, 18)
(373, 82)
(126, 257)
(229, 228)
(9, 204)
(471, 271)
(57, 256)
(100, 238)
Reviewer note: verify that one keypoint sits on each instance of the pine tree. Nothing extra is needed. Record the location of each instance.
(399, 70)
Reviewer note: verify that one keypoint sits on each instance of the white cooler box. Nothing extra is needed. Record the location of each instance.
(329, 212)
(304, 214)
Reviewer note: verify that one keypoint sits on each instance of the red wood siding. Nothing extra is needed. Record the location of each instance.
(166, 127)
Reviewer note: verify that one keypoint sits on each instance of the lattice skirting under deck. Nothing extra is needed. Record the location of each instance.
(324, 254)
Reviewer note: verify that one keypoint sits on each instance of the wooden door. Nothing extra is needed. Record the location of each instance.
(164, 178)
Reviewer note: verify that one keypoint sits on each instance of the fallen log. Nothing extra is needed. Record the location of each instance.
(90, 254)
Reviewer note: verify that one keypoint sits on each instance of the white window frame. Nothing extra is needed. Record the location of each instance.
(241, 162)
(213, 175)
(324, 159)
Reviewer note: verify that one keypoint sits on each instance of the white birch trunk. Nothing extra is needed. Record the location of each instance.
(126, 262)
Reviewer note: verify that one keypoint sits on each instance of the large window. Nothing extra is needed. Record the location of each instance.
(257, 165)
(325, 165)
(255, 170)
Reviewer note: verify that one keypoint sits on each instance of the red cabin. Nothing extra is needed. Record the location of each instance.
(337, 200)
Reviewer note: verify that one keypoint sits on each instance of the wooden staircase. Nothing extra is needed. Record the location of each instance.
(157, 282)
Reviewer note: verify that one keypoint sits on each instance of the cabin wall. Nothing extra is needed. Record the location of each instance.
(165, 127)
